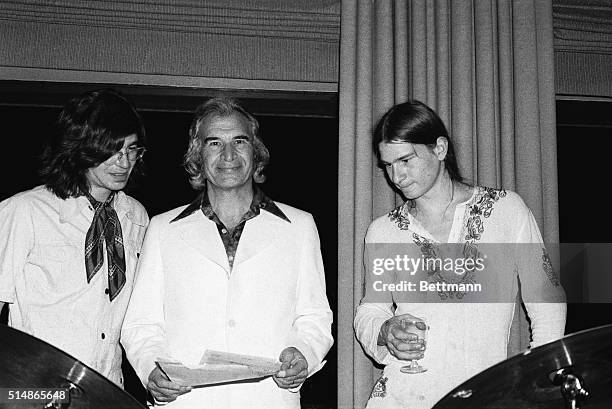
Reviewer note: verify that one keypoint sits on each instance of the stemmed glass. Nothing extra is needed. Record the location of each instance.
(418, 327)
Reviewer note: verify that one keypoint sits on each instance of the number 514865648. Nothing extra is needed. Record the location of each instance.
(8, 395)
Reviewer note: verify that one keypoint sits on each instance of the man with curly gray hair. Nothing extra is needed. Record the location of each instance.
(232, 271)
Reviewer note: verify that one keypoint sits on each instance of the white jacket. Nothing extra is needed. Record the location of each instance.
(186, 300)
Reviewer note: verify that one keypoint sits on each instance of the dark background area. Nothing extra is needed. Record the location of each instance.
(584, 143)
(300, 132)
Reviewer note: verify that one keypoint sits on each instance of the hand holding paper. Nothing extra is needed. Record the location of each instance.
(294, 369)
(219, 367)
(163, 389)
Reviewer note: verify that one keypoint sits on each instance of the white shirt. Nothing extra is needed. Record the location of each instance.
(42, 275)
(464, 338)
(186, 300)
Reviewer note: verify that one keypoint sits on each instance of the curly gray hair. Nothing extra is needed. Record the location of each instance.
(221, 107)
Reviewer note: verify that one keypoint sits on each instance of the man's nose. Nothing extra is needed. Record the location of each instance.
(228, 152)
(398, 173)
(124, 161)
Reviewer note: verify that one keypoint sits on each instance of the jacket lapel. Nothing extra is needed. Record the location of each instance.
(259, 233)
(201, 235)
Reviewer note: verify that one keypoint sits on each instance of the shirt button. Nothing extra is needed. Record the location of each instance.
(106, 291)
(224, 231)
(103, 336)
(231, 258)
(231, 323)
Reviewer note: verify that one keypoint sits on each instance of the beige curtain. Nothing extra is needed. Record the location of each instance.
(486, 66)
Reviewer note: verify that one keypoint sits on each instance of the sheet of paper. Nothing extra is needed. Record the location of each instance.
(257, 363)
(219, 367)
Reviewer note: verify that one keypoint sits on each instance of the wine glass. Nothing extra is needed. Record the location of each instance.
(418, 327)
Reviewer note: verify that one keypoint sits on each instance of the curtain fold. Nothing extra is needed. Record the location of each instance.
(486, 67)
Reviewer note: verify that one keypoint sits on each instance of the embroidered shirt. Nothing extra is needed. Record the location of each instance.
(464, 338)
(231, 237)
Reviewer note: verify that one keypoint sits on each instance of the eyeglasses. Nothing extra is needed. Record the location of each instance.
(133, 153)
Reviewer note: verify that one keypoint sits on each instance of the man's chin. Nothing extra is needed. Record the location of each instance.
(229, 183)
(115, 187)
(409, 194)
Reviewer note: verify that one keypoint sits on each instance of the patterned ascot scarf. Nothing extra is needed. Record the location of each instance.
(105, 227)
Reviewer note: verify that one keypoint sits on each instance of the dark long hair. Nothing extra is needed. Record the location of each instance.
(89, 130)
(415, 122)
(221, 107)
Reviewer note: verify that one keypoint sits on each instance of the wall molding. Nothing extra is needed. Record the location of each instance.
(583, 47)
(76, 76)
(313, 20)
(292, 41)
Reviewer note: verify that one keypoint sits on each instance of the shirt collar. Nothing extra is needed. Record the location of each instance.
(260, 201)
(71, 207)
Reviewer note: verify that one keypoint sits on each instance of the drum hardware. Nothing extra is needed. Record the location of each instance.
(572, 387)
(574, 372)
(29, 363)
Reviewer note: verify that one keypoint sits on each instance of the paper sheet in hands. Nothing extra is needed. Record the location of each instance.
(219, 367)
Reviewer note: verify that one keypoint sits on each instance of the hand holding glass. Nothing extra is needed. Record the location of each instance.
(418, 327)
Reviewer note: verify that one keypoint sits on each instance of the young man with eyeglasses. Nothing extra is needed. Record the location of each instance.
(68, 248)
